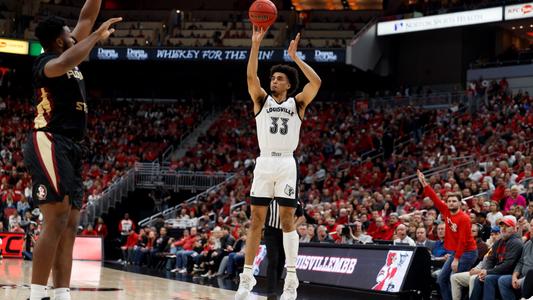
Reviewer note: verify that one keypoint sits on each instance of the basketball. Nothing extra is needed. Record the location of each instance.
(263, 13)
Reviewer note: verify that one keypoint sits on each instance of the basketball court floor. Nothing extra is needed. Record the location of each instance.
(110, 281)
(92, 281)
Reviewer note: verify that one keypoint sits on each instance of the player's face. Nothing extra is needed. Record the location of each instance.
(66, 39)
(279, 83)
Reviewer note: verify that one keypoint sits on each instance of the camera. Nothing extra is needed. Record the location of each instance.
(346, 230)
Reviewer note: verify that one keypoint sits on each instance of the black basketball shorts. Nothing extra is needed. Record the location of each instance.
(55, 164)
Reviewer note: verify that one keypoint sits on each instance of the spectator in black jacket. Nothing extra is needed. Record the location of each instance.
(505, 255)
(159, 247)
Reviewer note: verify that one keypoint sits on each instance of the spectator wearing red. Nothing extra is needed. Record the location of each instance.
(101, 228)
(127, 249)
(382, 231)
(89, 231)
(182, 256)
(458, 237)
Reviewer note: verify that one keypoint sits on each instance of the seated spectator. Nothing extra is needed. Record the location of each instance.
(187, 244)
(495, 235)
(466, 279)
(514, 199)
(401, 236)
(422, 239)
(381, 231)
(482, 247)
(101, 228)
(14, 221)
(323, 236)
(144, 246)
(529, 212)
(522, 278)
(438, 252)
(505, 255)
(236, 258)
(484, 228)
(89, 231)
(310, 236)
(302, 232)
(127, 249)
(23, 206)
(359, 236)
(159, 247)
(494, 215)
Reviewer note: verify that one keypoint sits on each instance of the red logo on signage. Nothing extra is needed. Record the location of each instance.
(12, 244)
(527, 9)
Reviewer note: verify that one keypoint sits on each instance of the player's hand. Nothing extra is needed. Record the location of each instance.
(258, 33)
(104, 31)
(421, 178)
(293, 47)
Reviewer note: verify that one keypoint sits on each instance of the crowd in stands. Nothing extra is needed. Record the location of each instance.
(120, 134)
(188, 28)
(484, 156)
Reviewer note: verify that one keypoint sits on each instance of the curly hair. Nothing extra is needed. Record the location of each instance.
(291, 73)
(48, 30)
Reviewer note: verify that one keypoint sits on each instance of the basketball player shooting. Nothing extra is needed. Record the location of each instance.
(278, 118)
(53, 152)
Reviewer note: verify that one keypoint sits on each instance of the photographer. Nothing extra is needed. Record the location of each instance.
(353, 234)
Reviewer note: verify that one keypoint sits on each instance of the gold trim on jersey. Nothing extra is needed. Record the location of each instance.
(43, 107)
(46, 153)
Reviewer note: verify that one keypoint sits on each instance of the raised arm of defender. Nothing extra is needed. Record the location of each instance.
(255, 90)
(77, 53)
(88, 16)
(310, 89)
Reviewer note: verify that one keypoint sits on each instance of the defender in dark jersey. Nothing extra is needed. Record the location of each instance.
(52, 153)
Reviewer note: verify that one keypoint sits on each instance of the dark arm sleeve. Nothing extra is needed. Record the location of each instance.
(299, 210)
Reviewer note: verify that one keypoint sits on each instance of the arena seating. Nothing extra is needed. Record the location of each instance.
(116, 142)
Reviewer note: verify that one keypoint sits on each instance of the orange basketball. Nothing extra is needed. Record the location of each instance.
(263, 13)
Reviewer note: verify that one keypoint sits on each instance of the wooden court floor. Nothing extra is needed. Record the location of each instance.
(92, 281)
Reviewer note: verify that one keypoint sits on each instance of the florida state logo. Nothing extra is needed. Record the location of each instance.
(41, 192)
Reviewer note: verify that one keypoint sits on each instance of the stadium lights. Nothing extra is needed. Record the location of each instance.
(521, 27)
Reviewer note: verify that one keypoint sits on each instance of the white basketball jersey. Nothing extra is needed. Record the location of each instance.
(278, 126)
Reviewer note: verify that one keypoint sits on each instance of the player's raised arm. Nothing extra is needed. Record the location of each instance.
(254, 85)
(88, 16)
(310, 89)
(77, 53)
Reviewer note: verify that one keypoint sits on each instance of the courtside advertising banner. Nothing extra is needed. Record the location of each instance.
(12, 244)
(85, 248)
(361, 268)
(464, 18)
(519, 11)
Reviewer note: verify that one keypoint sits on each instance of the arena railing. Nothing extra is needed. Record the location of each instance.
(149, 176)
(434, 171)
(172, 212)
(432, 100)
